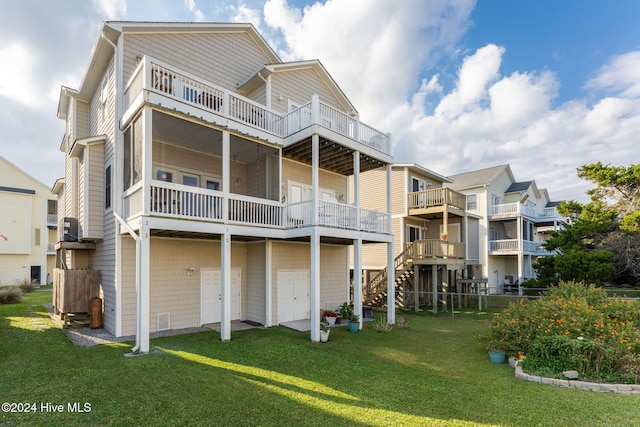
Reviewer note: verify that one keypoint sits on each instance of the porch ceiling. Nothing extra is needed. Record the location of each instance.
(333, 156)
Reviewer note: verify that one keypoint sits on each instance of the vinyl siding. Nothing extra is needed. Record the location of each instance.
(300, 172)
(298, 86)
(226, 59)
(255, 290)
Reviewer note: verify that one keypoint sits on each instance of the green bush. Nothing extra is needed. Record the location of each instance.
(10, 295)
(575, 327)
(27, 288)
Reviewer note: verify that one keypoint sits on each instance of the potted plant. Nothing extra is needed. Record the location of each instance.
(354, 323)
(346, 311)
(330, 317)
(443, 236)
(496, 353)
(324, 332)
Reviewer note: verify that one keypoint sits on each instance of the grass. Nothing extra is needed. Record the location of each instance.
(433, 373)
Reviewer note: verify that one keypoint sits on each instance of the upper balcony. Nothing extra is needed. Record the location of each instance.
(514, 210)
(434, 202)
(157, 82)
(515, 246)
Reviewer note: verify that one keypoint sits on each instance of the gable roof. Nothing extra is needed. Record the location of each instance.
(12, 170)
(259, 78)
(479, 178)
(110, 31)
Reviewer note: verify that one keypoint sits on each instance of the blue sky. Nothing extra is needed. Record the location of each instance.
(545, 86)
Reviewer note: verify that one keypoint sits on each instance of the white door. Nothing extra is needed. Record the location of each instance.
(211, 295)
(293, 295)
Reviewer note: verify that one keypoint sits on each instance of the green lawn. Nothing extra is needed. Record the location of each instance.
(434, 373)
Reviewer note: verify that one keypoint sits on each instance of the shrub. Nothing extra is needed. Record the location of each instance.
(575, 327)
(27, 288)
(10, 295)
(381, 324)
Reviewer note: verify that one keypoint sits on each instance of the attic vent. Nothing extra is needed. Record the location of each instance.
(164, 321)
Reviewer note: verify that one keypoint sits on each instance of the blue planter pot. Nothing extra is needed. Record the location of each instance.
(354, 327)
(497, 356)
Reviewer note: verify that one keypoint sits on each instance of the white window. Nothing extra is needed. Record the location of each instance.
(472, 202)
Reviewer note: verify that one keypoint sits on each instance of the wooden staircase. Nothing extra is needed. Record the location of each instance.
(377, 289)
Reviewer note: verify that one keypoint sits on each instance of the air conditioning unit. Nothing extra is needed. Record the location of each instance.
(70, 229)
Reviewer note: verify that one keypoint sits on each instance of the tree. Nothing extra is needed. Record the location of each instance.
(601, 244)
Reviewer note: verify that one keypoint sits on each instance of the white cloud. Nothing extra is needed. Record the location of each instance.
(488, 119)
(374, 49)
(198, 15)
(244, 13)
(17, 81)
(112, 9)
(619, 75)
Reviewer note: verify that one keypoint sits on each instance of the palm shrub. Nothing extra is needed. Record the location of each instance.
(574, 327)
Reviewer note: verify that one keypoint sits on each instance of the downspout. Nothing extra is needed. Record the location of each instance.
(138, 239)
(117, 200)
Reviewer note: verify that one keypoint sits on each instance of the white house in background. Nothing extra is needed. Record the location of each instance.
(28, 219)
(208, 181)
(515, 219)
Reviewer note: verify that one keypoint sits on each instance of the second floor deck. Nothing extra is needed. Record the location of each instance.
(515, 246)
(514, 210)
(182, 202)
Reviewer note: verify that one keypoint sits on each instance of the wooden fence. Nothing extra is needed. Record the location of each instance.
(73, 289)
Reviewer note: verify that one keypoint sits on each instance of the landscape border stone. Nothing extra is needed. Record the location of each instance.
(577, 384)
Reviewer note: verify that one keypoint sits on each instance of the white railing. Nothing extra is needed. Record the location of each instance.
(374, 221)
(504, 245)
(181, 201)
(174, 200)
(505, 209)
(334, 214)
(297, 214)
(520, 209)
(512, 245)
(253, 211)
(162, 78)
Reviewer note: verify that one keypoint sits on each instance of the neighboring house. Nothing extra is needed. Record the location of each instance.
(430, 229)
(208, 181)
(27, 225)
(515, 220)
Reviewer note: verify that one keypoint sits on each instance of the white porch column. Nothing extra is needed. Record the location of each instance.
(357, 279)
(315, 284)
(226, 175)
(145, 256)
(391, 272)
(268, 321)
(315, 238)
(520, 253)
(225, 278)
(356, 186)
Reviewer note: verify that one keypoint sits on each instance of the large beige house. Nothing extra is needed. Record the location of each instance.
(27, 227)
(207, 181)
